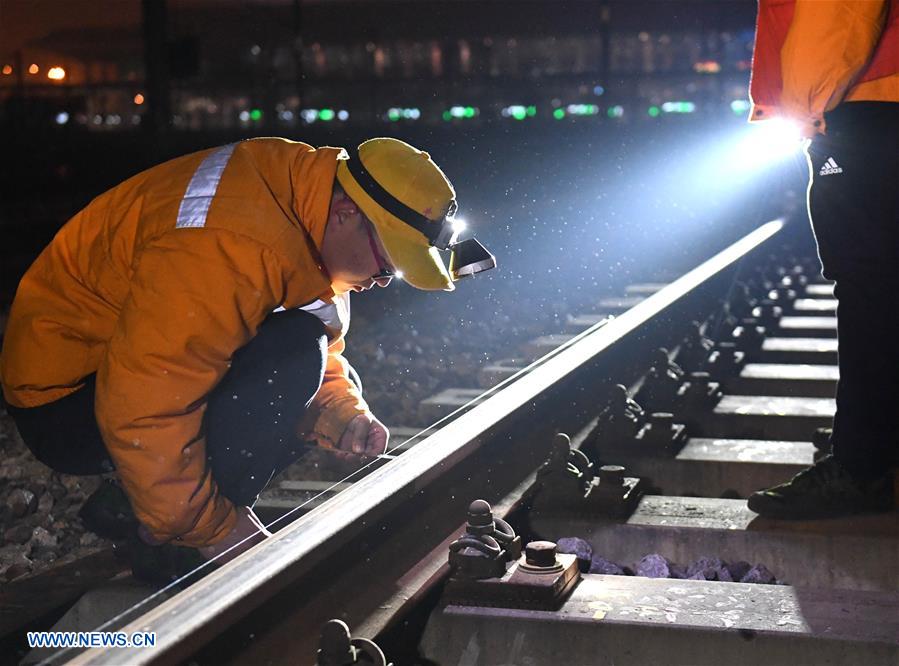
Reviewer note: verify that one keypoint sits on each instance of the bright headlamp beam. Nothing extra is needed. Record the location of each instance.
(769, 142)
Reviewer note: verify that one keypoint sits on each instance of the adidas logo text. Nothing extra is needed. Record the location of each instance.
(830, 167)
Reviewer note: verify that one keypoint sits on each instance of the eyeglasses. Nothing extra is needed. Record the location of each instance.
(385, 270)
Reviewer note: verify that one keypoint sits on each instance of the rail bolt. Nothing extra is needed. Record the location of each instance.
(699, 379)
(611, 475)
(540, 554)
(662, 422)
(480, 517)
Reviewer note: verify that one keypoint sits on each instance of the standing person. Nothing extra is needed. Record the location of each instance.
(832, 66)
(186, 328)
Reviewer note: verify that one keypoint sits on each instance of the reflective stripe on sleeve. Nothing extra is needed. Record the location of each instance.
(203, 184)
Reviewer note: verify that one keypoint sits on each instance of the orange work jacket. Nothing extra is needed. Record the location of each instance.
(153, 286)
(811, 55)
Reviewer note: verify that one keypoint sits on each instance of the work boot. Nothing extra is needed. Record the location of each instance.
(824, 490)
(166, 563)
(108, 513)
(821, 442)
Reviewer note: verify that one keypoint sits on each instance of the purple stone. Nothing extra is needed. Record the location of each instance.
(711, 568)
(577, 547)
(600, 565)
(739, 569)
(759, 574)
(653, 566)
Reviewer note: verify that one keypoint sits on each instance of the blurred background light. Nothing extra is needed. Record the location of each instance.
(678, 107)
(740, 106)
(62, 118)
(56, 73)
(707, 67)
(397, 113)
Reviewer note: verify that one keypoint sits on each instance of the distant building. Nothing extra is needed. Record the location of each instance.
(281, 63)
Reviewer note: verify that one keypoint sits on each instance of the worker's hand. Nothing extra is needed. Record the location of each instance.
(364, 436)
(247, 532)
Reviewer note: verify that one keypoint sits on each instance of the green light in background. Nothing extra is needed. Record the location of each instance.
(616, 111)
(739, 106)
(256, 114)
(447, 115)
(326, 114)
(469, 112)
(558, 114)
(519, 113)
(678, 107)
(531, 111)
(393, 114)
(654, 111)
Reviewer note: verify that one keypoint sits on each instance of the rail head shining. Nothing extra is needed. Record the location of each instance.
(300, 545)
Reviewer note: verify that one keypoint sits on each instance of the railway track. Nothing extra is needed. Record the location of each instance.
(658, 463)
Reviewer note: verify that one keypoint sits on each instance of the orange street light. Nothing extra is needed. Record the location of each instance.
(33, 68)
(7, 69)
(138, 99)
(56, 73)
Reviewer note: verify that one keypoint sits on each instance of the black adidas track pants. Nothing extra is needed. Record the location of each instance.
(853, 202)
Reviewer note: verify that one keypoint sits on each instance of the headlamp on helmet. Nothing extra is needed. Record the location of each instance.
(467, 257)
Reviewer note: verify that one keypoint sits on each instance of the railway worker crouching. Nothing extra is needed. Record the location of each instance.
(833, 67)
(186, 328)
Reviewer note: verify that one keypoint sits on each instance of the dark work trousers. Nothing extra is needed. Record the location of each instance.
(250, 422)
(854, 208)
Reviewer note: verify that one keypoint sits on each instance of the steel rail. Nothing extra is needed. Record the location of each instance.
(184, 623)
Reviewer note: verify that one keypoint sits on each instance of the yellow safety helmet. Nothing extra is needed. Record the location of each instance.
(412, 205)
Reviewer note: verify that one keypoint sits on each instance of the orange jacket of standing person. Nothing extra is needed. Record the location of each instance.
(811, 55)
(154, 286)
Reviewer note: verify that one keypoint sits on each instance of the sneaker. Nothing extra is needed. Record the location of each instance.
(824, 490)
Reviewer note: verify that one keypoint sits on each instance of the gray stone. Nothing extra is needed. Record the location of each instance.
(44, 555)
(600, 565)
(43, 539)
(21, 502)
(17, 534)
(45, 503)
(89, 539)
(14, 571)
(653, 566)
(759, 574)
(13, 562)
